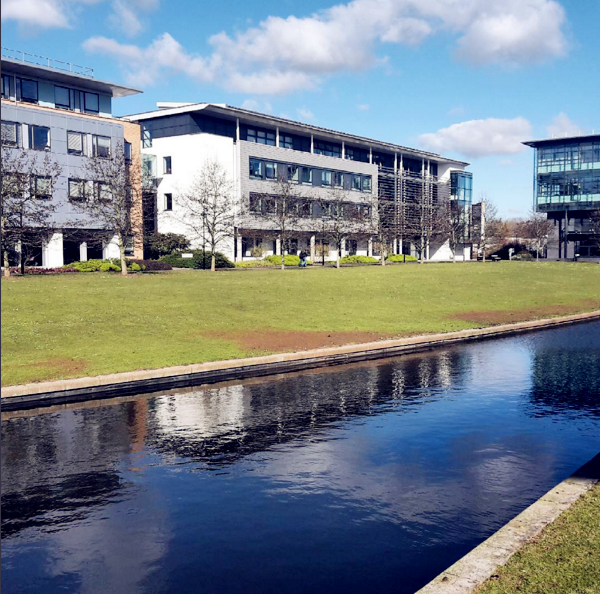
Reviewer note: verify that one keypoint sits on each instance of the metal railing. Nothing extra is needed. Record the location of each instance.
(37, 60)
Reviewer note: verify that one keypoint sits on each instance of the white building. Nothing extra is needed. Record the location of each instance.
(256, 149)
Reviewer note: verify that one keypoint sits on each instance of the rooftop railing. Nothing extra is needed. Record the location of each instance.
(37, 60)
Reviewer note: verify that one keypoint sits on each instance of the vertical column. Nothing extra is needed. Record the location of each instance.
(52, 251)
(19, 252)
(278, 247)
(427, 252)
(343, 150)
(276, 135)
(313, 241)
(370, 155)
(370, 247)
(237, 129)
(343, 248)
(395, 163)
(395, 250)
(312, 143)
(83, 251)
(239, 253)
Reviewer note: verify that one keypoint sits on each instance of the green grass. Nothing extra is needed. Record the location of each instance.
(55, 327)
(564, 559)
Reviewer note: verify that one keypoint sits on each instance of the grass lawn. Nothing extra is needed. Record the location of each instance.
(56, 327)
(564, 559)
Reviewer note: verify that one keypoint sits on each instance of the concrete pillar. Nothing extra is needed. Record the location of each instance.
(395, 249)
(427, 252)
(370, 155)
(83, 251)
(278, 247)
(312, 144)
(370, 247)
(276, 135)
(237, 129)
(313, 251)
(343, 248)
(19, 252)
(240, 255)
(400, 247)
(52, 251)
(343, 150)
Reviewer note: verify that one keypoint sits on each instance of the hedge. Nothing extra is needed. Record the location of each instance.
(197, 261)
(358, 260)
(400, 258)
(103, 266)
(152, 265)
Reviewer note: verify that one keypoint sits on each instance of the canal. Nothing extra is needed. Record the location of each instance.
(371, 477)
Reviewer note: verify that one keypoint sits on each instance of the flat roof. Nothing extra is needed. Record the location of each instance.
(292, 125)
(563, 139)
(67, 78)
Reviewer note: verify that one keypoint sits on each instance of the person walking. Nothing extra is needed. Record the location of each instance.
(303, 255)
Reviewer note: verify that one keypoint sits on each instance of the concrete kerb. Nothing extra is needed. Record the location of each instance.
(482, 562)
(152, 380)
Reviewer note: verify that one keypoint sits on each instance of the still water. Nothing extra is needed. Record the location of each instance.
(367, 478)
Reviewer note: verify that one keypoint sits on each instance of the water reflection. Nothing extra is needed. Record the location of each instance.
(392, 468)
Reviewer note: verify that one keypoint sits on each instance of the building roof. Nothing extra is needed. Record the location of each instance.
(563, 140)
(67, 78)
(245, 115)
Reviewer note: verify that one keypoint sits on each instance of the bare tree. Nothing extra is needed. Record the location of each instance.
(27, 208)
(114, 199)
(594, 227)
(536, 228)
(454, 226)
(340, 219)
(487, 232)
(208, 207)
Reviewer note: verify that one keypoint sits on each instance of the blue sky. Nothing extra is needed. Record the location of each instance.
(466, 78)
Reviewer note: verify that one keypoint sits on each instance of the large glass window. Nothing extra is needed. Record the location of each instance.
(260, 136)
(325, 178)
(293, 172)
(103, 193)
(270, 170)
(6, 86)
(338, 179)
(307, 174)
(43, 187)
(286, 141)
(256, 169)
(77, 189)
(101, 146)
(328, 149)
(366, 183)
(356, 182)
(39, 138)
(127, 149)
(356, 154)
(10, 134)
(92, 102)
(75, 143)
(62, 98)
(29, 90)
(146, 136)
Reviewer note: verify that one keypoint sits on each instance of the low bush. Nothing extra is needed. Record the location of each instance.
(255, 264)
(358, 260)
(400, 258)
(163, 244)
(199, 260)
(34, 270)
(109, 267)
(151, 265)
(524, 255)
(289, 260)
(113, 265)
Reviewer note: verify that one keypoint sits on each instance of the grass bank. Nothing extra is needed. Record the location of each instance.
(56, 327)
(563, 559)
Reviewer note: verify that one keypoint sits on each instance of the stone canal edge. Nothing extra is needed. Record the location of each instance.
(153, 380)
(482, 562)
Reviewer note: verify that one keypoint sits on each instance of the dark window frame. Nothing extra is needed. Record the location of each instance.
(95, 147)
(167, 166)
(17, 142)
(168, 202)
(83, 182)
(70, 98)
(32, 143)
(28, 99)
(42, 194)
(80, 153)
(85, 102)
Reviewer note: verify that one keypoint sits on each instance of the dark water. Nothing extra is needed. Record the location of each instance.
(366, 478)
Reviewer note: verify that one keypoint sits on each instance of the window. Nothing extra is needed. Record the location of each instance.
(146, 137)
(338, 179)
(42, 187)
(326, 178)
(39, 138)
(328, 149)
(168, 201)
(77, 189)
(366, 183)
(270, 170)
(63, 98)
(127, 149)
(286, 142)
(101, 146)
(293, 171)
(260, 136)
(356, 154)
(6, 78)
(307, 175)
(29, 90)
(92, 102)
(167, 165)
(256, 169)
(75, 143)
(363, 210)
(102, 192)
(356, 182)
(10, 133)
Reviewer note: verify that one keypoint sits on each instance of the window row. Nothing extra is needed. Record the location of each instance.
(81, 190)
(312, 176)
(26, 90)
(77, 142)
(263, 204)
(19, 184)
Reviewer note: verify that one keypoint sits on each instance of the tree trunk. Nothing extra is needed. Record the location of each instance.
(383, 254)
(6, 264)
(123, 260)
(337, 261)
(213, 262)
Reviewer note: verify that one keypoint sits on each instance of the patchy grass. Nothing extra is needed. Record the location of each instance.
(563, 559)
(56, 327)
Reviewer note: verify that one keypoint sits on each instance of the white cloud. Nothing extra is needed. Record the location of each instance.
(53, 14)
(480, 138)
(254, 105)
(562, 125)
(363, 107)
(306, 114)
(281, 55)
